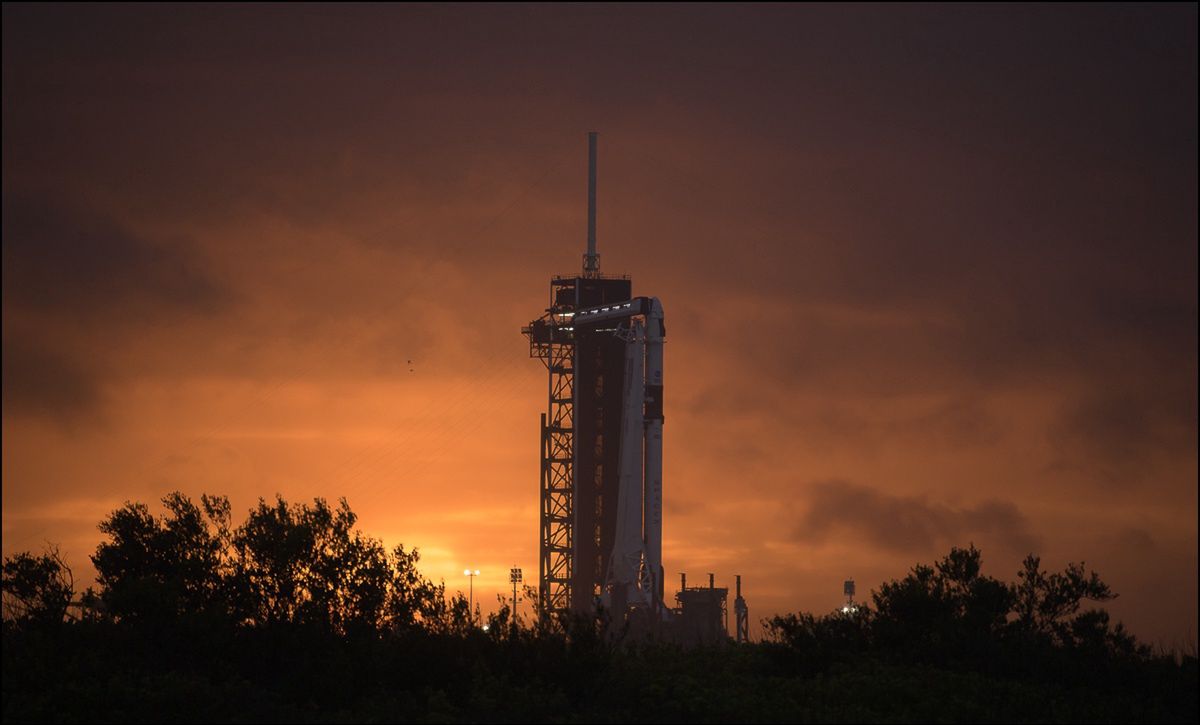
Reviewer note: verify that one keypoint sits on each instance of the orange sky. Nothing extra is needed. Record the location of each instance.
(929, 275)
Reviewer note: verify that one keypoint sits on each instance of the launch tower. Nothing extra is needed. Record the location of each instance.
(600, 531)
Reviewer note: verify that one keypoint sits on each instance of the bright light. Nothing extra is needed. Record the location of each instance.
(466, 572)
(485, 628)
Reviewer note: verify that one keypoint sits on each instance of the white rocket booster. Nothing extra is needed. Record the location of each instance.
(635, 573)
(653, 421)
(626, 557)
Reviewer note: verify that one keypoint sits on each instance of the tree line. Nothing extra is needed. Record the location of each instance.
(286, 564)
(295, 614)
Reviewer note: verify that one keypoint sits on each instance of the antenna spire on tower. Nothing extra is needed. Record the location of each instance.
(591, 260)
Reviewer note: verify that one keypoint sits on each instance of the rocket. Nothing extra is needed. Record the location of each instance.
(635, 576)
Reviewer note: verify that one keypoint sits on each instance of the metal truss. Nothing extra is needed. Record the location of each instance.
(551, 340)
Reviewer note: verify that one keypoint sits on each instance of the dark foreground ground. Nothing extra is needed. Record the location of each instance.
(111, 674)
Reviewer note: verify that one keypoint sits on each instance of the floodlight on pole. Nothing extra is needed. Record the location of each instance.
(471, 574)
(848, 592)
(514, 576)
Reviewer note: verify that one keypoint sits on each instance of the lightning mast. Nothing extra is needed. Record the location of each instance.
(591, 260)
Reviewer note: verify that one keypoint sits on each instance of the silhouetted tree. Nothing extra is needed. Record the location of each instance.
(166, 567)
(949, 610)
(1044, 600)
(413, 601)
(1047, 606)
(36, 589)
(306, 564)
(299, 564)
(950, 614)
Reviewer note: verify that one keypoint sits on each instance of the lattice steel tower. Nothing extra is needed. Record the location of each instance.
(581, 433)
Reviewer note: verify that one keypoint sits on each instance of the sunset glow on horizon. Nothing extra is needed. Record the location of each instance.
(930, 275)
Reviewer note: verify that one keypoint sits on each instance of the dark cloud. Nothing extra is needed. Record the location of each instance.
(908, 523)
(1119, 433)
(79, 265)
(78, 288)
(949, 420)
(40, 381)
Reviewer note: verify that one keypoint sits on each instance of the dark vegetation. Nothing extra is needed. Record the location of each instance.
(296, 616)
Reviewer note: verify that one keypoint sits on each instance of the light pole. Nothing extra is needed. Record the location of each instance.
(472, 573)
(514, 576)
